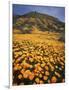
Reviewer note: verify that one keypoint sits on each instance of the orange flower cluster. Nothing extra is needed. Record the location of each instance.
(37, 63)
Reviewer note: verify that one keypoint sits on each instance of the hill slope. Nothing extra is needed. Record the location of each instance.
(43, 22)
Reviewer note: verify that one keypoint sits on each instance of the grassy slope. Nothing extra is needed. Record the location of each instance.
(39, 36)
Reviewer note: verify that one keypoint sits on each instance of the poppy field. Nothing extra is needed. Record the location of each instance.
(37, 61)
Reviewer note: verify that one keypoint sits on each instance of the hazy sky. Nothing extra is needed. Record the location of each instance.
(58, 12)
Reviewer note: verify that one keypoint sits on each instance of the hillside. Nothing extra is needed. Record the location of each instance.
(43, 22)
(38, 49)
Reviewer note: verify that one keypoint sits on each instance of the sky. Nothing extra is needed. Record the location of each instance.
(58, 12)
